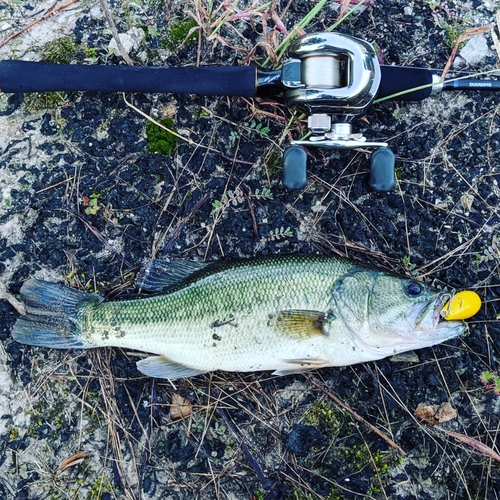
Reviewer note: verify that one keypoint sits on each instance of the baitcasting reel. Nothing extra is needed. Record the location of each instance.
(333, 78)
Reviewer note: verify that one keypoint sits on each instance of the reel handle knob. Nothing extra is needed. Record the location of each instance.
(382, 172)
(294, 168)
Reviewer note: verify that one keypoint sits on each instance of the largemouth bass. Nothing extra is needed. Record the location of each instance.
(289, 314)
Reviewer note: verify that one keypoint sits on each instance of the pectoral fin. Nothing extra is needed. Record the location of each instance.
(304, 324)
(162, 367)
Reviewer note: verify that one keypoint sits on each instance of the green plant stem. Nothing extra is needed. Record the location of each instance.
(359, 418)
(283, 46)
(346, 15)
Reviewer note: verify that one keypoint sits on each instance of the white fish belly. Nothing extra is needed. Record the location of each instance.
(247, 341)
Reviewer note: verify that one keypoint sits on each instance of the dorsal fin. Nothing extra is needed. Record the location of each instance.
(161, 274)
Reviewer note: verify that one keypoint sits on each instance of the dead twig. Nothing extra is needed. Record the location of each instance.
(5, 280)
(158, 124)
(471, 32)
(266, 483)
(119, 439)
(494, 36)
(240, 184)
(101, 238)
(477, 445)
(109, 17)
(18, 306)
(182, 225)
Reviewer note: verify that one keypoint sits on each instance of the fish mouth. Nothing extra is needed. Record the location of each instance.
(427, 318)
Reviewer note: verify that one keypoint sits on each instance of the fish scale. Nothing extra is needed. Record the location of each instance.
(283, 313)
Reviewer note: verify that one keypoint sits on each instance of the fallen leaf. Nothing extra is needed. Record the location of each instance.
(467, 200)
(75, 459)
(181, 407)
(436, 414)
(474, 443)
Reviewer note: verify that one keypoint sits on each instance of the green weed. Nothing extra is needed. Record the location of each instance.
(236, 197)
(491, 252)
(325, 416)
(64, 51)
(263, 130)
(491, 381)
(181, 32)
(279, 234)
(408, 265)
(92, 204)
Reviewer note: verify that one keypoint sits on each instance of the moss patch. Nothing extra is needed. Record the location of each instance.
(160, 140)
(64, 51)
(178, 32)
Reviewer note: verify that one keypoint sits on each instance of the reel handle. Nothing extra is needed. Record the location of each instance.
(294, 168)
(382, 173)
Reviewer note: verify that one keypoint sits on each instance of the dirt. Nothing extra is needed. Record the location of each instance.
(83, 202)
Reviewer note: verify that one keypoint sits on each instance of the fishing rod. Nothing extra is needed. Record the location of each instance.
(331, 77)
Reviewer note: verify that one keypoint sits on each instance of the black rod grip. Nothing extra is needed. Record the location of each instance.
(26, 76)
(396, 79)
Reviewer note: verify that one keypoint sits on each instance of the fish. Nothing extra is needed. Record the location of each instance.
(286, 313)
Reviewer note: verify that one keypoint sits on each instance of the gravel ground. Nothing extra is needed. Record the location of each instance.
(84, 202)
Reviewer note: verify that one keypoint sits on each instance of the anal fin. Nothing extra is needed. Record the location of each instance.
(162, 367)
(297, 366)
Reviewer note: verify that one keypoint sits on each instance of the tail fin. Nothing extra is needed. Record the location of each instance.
(52, 316)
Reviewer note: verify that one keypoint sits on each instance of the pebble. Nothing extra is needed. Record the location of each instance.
(475, 50)
(130, 40)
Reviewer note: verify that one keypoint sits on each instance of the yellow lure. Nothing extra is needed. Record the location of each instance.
(462, 305)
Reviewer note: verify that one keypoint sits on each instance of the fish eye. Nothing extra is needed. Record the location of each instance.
(414, 288)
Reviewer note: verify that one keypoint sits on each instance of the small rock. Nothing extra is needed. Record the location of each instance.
(130, 40)
(475, 50)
